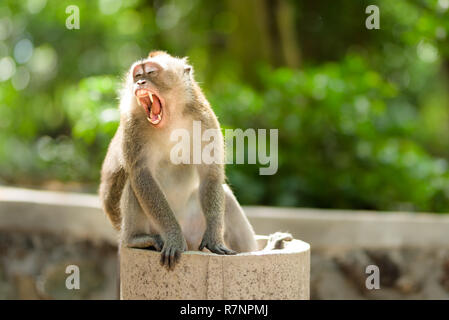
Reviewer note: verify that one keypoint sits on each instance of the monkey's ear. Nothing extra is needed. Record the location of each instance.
(188, 69)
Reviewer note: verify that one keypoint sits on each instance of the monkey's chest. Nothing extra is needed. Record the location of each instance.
(178, 182)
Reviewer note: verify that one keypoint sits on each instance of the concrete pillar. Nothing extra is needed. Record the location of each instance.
(275, 274)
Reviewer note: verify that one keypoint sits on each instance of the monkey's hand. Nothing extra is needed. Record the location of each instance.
(214, 243)
(174, 245)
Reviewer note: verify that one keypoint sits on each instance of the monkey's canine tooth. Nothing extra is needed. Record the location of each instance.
(151, 118)
(156, 121)
(151, 97)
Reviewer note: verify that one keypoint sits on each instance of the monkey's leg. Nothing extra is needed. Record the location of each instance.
(136, 229)
(239, 234)
(212, 201)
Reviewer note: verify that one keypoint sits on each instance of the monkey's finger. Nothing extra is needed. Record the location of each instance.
(216, 249)
(164, 257)
(227, 251)
(177, 256)
(172, 261)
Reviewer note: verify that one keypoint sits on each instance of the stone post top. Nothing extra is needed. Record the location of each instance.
(264, 274)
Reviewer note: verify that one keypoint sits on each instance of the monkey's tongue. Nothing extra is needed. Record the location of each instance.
(152, 106)
(156, 106)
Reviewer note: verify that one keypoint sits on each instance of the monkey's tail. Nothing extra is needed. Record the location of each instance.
(111, 206)
(116, 219)
(276, 240)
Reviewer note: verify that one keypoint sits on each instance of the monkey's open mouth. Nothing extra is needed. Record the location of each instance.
(151, 103)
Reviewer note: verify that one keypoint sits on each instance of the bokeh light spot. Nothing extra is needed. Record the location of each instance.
(427, 52)
(21, 78)
(168, 16)
(5, 28)
(36, 6)
(23, 51)
(109, 6)
(44, 61)
(7, 68)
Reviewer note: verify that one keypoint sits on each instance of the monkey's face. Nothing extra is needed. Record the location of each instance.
(148, 96)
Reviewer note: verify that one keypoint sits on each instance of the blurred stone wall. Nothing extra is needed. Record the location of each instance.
(410, 250)
(41, 233)
(33, 266)
(405, 273)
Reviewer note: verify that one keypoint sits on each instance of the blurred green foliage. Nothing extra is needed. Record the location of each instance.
(362, 114)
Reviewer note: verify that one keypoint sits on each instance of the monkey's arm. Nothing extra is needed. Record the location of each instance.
(212, 198)
(113, 178)
(155, 205)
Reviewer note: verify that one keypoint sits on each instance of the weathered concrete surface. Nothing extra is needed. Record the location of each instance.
(275, 274)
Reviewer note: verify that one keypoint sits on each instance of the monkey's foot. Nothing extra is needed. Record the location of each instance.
(145, 241)
(214, 247)
(276, 240)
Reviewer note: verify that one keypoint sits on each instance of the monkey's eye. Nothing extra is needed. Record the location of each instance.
(149, 69)
(138, 74)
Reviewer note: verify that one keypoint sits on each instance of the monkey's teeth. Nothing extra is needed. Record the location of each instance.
(159, 118)
(155, 121)
(151, 98)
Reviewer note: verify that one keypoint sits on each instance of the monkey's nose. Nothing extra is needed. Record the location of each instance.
(141, 82)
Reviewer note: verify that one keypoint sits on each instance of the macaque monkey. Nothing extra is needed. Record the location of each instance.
(153, 202)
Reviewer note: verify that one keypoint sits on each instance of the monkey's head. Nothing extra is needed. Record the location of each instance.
(160, 84)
